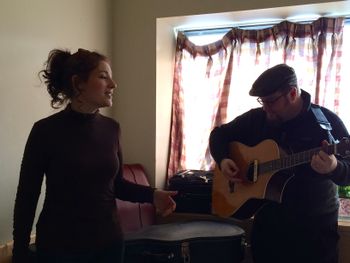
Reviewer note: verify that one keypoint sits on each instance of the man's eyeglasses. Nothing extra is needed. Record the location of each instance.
(271, 101)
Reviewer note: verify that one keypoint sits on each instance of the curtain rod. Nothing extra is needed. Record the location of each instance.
(256, 25)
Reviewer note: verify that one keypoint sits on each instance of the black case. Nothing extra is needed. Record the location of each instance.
(194, 191)
(195, 242)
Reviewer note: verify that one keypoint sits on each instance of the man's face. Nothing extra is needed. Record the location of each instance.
(97, 91)
(276, 106)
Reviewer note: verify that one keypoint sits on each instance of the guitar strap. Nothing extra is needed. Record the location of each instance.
(323, 122)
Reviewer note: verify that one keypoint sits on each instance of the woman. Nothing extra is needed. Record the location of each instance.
(78, 150)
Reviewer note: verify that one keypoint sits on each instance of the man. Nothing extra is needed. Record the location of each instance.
(303, 228)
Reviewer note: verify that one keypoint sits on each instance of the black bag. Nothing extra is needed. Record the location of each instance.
(195, 242)
(194, 190)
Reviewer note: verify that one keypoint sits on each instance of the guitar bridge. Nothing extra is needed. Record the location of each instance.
(253, 171)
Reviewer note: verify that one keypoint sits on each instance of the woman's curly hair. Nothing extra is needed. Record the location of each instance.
(61, 66)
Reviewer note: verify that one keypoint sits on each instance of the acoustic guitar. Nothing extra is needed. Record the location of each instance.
(259, 168)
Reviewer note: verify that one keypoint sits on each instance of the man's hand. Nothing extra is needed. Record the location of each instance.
(164, 202)
(230, 170)
(322, 162)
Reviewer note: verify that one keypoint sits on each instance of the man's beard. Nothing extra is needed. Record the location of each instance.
(276, 121)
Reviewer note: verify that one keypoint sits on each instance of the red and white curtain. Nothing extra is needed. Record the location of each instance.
(211, 82)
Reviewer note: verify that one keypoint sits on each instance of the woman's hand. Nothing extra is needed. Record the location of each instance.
(164, 202)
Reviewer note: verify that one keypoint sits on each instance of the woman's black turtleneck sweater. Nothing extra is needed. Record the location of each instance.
(80, 156)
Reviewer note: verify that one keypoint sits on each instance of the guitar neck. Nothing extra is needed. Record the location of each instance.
(295, 159)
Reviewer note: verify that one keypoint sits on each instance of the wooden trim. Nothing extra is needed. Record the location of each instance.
(344, 225)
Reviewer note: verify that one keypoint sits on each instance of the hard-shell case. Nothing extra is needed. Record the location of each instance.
(190, 242)
(194, 189)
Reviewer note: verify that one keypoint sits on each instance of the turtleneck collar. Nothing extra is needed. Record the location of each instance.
(306, 99)
(79, 115)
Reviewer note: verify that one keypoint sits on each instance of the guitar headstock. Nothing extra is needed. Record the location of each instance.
(343, 147)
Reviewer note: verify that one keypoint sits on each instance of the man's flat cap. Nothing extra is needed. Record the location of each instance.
(278, 77)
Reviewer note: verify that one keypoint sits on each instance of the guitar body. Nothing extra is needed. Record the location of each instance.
(242, 200)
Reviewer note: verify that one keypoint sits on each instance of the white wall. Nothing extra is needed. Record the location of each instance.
(28, 31)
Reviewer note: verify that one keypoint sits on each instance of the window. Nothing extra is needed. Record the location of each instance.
(243, 102)
(200, 101)
(212, 81)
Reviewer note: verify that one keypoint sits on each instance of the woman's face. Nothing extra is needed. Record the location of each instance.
(97, 91)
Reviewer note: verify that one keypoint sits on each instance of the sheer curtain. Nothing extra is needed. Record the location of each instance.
(211, 82)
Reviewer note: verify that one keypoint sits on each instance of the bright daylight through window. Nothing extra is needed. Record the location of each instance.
(239, 101)
(245, 102)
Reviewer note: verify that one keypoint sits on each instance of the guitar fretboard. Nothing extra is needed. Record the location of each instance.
(294, 159)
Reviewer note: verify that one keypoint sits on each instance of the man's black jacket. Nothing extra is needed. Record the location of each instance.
(307, 193)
